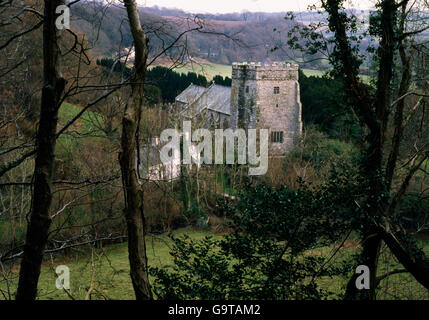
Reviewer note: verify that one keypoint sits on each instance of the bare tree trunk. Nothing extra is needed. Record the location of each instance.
(132, 189)
(37, 231)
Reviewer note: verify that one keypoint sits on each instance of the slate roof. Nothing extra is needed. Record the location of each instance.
(190, 94)
(215, 97)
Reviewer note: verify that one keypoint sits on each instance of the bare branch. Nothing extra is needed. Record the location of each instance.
(20, 34)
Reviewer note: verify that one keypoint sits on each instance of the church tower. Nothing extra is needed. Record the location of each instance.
(267, 97)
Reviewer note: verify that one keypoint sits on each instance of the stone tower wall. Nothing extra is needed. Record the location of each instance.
(243, 101)
(259, 107)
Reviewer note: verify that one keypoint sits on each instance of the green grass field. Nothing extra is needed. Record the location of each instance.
(86, 127)
(213, 69)
(209, 70)
(106, 270)
(88, 122)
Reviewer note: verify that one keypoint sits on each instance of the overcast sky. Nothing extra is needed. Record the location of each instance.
(228, 6)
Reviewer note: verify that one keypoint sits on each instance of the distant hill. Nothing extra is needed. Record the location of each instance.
(254, 32)
(235, 16)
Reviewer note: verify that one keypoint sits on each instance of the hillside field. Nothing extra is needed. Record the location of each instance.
(209, 70)
(105, 271)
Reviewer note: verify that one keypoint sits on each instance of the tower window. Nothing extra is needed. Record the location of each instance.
(276, 90)
(277, 137)
(247, 89)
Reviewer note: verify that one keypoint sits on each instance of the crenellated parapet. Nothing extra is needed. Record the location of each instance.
(267, 71)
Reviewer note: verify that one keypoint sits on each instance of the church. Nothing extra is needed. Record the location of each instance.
(262, 96)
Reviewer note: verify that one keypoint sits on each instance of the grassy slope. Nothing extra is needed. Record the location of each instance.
(111, 271)
(209, 70)
(87, 122)
(82, 128)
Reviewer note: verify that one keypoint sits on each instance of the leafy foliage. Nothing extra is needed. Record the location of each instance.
(222, 81)
(324, 104)
(324, 152)
(266, 257)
